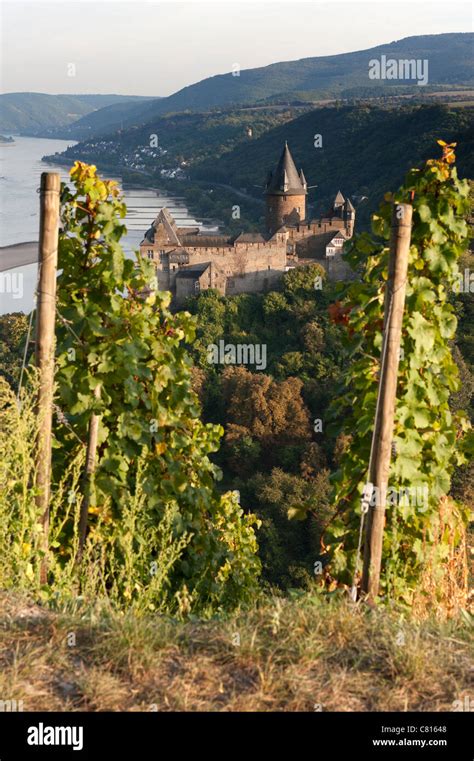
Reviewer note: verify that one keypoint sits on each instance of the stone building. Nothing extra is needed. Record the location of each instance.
(189, 261)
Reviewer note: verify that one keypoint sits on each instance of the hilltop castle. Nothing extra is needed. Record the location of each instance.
(189, 261)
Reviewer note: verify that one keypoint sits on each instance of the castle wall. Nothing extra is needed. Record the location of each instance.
(337, 268)
(242, 268)
(186, 287)
(308, 241)
(247, 268)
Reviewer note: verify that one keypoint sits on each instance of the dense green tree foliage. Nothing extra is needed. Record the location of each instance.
(275, 451)
(365, 150)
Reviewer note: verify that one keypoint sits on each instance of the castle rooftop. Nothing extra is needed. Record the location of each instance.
(285, 180)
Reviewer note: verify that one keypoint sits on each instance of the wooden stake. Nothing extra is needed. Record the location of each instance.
(88, 477)
(383, 426)
(45, 345)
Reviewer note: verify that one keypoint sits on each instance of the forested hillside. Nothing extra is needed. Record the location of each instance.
(364, 150)
(280, 447)
(125, 113)
(178, 140)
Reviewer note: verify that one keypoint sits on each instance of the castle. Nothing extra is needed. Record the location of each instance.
(189, 261)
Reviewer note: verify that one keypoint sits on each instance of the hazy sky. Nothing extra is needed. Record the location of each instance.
(155, 48)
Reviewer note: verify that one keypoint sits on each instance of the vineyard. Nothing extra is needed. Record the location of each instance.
(195, 525)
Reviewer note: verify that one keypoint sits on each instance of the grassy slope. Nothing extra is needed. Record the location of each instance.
(292, 656)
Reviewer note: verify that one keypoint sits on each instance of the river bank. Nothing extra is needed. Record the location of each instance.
(21, 165)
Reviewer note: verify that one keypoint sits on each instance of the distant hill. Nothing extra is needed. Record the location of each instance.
(345, 75)
(107, 119)
(33, 112)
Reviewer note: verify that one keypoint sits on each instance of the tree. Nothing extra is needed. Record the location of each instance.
(290, 549)
(269, 412)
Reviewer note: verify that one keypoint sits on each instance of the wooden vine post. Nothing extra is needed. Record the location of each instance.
(88, 477)
(45, 346)
(386, 400)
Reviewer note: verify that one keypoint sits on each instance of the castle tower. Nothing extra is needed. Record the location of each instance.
(349, 217)
(285, 194)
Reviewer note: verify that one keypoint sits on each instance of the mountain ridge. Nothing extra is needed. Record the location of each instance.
(301, 72)
(341, 75)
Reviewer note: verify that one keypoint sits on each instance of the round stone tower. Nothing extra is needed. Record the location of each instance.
(285, 194)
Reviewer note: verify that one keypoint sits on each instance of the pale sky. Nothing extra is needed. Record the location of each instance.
(157, 47)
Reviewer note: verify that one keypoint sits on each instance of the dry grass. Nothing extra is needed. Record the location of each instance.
(304, 654)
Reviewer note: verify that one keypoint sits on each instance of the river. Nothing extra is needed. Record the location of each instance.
(20, 170)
